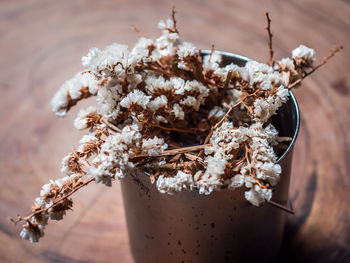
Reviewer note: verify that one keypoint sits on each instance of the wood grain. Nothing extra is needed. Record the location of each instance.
(41, 46)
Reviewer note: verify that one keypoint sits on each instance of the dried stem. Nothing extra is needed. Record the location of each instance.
(173, 12)
(227, 82)
(195, 158)
(251, 171)
(324, 61)
(19, 219)
(211, 51)
(138, 31)
(284, 208)
(110, 125)
(191, 130)
(268, 28)
(332, 53)
(175, 151)
(184, 150)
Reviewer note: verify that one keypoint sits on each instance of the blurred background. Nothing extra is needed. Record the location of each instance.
(41, 43)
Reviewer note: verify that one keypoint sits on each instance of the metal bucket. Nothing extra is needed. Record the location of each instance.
(221, 227)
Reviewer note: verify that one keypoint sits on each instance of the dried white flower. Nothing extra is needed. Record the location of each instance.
(31, 232)
(136, 97)
(305, 54)
(253, 197)
(114, 58)
(265, 108)
(81, 121)
(186, 49)
(216, 112)
(165, 25)
(141, 48)
(153, 146)
(178, 112)
(286, 63)
(113, 159)
(158, 102)
(236, 181)
(74, 89)
(172, 185)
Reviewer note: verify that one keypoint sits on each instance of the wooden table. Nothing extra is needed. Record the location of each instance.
(41, 46)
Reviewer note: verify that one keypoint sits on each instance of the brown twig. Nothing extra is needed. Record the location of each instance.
(195, 158)
(191, 130)
(284, 208)
(27, 218)
(184, 150)
(138, 31)
(175, 151)
(332, 53)
(173, 12)
(227, 82)
(251, 171)
(292, 85)
(268, 28)
(110, 125)
(211, 51)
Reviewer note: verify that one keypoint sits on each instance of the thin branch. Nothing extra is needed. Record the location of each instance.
(268, 28)
(284, 208)
(191, 130)
(195, 158)
(332, 53)
(211, 51)
(138, 31)
(284, 139)
(173, 12)
(110, 125)
(175, 151)
(295, 83)
(324, 61)
(184, 150)
(227, 82)
(54, 203)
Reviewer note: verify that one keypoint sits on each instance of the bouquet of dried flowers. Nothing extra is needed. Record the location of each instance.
(181, 117)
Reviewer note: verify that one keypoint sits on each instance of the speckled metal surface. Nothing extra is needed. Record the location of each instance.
(221, 227)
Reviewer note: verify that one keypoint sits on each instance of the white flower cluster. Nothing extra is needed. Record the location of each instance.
(115, 59)
(88, 145)
(113, 159)
(286, 64)
(114, 75)
(304, 54)
(152, 95)
(133, 85)
(191, 93)
(82, 85)
(225, 140)
(82, 120)
(177, 183)
(153, 146)
(265, 108)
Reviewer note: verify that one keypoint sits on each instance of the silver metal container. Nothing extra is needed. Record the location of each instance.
(221, 227)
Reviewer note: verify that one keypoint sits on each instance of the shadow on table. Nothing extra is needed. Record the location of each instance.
(297, 247)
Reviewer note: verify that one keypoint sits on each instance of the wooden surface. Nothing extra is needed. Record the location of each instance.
(41, 43)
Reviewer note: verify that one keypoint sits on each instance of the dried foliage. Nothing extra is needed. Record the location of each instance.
(186, 119)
